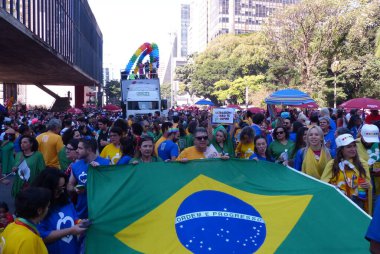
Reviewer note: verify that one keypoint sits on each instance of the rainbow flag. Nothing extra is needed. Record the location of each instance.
(214, 206)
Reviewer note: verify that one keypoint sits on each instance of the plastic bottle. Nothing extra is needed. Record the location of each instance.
(285, 155)
(362, 192)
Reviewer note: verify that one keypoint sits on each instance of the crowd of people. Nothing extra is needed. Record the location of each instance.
(49, 155)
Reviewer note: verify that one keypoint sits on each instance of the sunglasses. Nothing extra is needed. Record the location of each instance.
(201, 138)
(280, 132)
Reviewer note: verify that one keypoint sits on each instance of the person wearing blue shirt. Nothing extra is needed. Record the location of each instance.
(127, 150)
(260, 151)
(328, 135)
(373, 232)
(78, 178)
(169, 150)
(23, 130)
(59, 229)
(325, 112)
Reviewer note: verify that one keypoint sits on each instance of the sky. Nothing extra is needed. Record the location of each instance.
(125, 26)
(128, 24)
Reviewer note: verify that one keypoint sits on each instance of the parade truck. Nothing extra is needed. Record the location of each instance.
(141, 97)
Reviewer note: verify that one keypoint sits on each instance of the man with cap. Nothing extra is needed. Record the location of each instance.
(168, 149)
(369, 135)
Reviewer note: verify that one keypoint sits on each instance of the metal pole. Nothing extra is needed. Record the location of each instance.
(246, 97)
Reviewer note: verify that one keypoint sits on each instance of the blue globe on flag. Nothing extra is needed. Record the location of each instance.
(215, 222)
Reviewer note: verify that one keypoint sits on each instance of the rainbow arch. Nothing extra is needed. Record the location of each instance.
(145, 49)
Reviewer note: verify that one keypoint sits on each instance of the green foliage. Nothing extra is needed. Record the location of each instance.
(234, 92)
(295, 49)
(165, 90)
(112, 90)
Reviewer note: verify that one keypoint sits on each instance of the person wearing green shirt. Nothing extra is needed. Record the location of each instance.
(145, 150)
(280, 144)
(25, 174)
(222, 141)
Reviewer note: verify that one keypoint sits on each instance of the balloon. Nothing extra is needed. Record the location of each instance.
(137, 58)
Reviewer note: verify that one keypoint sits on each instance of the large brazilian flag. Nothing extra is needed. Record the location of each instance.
(214, 206)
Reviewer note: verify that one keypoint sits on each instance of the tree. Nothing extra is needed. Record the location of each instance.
(165, 90)
(301, 36)
(113, 92)
(228, 57)
(234, 92)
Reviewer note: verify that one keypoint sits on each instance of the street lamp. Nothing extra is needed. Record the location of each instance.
(335, 68)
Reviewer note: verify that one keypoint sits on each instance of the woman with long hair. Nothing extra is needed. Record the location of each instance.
(245, 148)
(313, 158)
(145, 152)
(127, 150)
(60, 226)
(28, 164)
(354, 125)
(261, 151)
(349, 173)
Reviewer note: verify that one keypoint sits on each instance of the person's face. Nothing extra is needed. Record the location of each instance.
(25, 144)
(102, 126)
(314, 138)
(261, 145)
(146, 148)
(219, 137)
(146, 127)
(71, 153)
(287, 124)
(280, 134)
(60, 188)
(358, 122)
(201, 140)
(349, 151)
(76, 135)
(176, 137)
(323, 124)
(82, 151)
(115, 138)
(263, 126)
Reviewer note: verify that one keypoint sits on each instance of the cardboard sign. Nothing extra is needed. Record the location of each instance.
(223, 116)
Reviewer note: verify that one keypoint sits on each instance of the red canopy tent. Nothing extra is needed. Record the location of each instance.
(74, 111)
(111, 107)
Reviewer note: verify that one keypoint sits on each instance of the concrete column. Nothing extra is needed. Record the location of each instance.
(79, 96)
(10, 90)
(231, 16)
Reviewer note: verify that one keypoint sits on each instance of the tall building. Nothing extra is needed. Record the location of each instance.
(185, 22)
(197, 40)
(212, 18)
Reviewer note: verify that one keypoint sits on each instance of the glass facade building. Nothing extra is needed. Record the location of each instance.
(212, 18)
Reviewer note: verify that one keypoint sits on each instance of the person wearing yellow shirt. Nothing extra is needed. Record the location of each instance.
(50, 143)
(349, 173)
(369, 134)
(164, 127)
(112, 151)
(200, 148)
(21, 236)
(246, 147)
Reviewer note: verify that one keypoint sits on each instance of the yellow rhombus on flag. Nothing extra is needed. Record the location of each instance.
(160, 231)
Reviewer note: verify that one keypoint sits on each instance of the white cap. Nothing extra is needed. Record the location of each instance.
(344, 139)
(370, 133)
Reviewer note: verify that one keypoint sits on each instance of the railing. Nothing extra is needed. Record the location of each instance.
(66, 26)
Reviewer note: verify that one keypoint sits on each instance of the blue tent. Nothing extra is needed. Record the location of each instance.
(204, 102)
(289, 97)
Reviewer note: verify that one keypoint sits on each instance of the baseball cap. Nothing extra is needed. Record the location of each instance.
(285, 114)
(370, 133)
(344, 139)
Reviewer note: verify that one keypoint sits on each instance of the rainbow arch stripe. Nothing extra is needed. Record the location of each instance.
(145, 49)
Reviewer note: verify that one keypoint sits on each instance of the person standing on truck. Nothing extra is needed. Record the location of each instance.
(147, 69)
